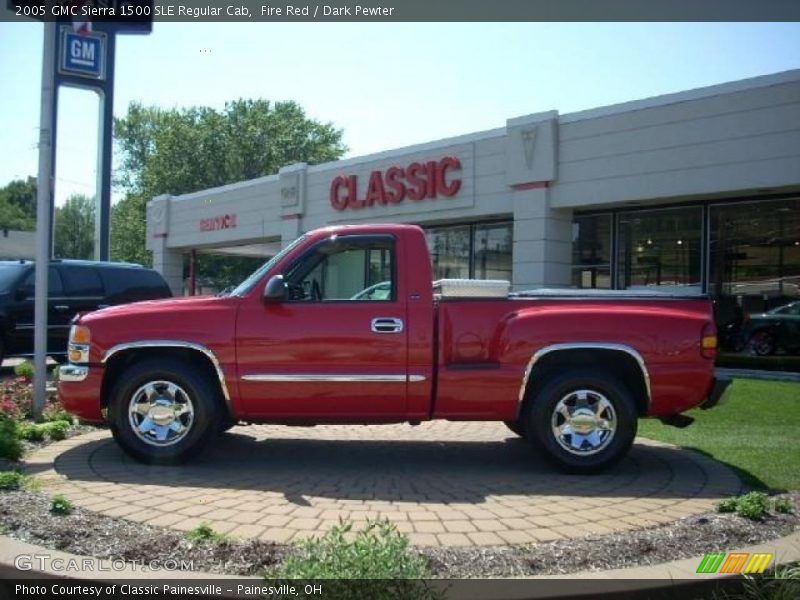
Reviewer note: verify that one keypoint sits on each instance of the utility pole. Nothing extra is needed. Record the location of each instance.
(44, 199)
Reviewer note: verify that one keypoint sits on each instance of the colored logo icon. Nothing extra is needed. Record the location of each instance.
(734, 563)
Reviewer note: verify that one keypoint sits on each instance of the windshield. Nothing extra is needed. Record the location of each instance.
(249, 283)
(9, 275)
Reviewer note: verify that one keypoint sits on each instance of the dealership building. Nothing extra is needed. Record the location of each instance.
(697, 191)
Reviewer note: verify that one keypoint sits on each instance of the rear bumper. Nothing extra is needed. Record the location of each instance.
(720, 392)
(79, 391)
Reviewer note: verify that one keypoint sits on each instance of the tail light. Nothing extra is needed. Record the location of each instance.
(708, 341)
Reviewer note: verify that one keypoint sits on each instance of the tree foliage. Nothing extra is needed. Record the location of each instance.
(74, 228)
(18, 205)
(177, 151)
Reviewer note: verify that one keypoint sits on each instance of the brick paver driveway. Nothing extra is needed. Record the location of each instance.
(442, 483)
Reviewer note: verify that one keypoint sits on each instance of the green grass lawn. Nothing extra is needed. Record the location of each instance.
(757, 432)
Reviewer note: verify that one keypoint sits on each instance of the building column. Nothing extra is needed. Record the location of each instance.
(542, 251)
(293, 201)
(167, 261)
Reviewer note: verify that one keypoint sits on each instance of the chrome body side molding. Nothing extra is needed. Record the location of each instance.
(336, 378)
(174, 344)
(585, 346)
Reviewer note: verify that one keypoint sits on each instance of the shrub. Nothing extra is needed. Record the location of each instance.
(377, 552)
(10, 446)
(11, 480)
(60, 505)
(24, 370)
(16, 400)
(56, 430)
(753, 505)
(783, 505)
(204, 532)
(33, 432)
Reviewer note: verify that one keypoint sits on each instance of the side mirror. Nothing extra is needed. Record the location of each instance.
(275, 290)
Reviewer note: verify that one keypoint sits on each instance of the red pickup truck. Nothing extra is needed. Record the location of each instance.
(344, 326)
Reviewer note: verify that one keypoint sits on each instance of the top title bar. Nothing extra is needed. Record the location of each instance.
(251, 11)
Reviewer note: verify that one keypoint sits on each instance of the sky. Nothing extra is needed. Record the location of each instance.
(386, 85)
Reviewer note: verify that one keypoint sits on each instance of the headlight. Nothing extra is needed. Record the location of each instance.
(79, 341)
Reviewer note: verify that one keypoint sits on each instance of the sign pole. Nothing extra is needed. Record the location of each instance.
(103, 203)
(44, 198)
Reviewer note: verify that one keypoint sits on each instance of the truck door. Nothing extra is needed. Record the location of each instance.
(21, 313)
(336, 347)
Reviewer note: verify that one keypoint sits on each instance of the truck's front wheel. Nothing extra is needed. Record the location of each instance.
(162, 411)
(581, 420)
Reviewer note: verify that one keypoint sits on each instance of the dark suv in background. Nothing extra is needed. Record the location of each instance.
(74, 286)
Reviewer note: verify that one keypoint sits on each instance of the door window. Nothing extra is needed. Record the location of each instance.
(351, 268)
(54, 286)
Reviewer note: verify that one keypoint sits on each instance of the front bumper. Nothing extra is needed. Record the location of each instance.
(79, 391)
(73, 373)
(720, 393)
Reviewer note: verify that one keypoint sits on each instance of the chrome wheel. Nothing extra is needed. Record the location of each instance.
(160, 413)
(584, 422)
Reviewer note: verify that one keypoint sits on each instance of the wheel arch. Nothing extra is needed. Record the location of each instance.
(621, 360)
(121, 356)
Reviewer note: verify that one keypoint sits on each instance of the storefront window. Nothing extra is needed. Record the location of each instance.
(660, 248)
(479, 251)
(491, 254)
(754, 277)
(591, 251)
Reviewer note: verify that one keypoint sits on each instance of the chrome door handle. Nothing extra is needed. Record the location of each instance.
(61, 307)
(103, 305)
(387, 325)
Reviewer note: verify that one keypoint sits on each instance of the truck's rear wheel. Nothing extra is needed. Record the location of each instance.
(582, 420)
(163, 411)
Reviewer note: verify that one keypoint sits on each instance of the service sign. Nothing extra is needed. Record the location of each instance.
(416, 182)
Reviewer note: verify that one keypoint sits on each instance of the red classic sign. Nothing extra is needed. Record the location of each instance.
(418, 181)
(215, 223)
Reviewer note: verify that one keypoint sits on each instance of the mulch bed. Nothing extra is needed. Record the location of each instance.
(25, 515)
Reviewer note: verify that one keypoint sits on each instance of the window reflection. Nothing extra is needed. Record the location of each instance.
(660, 248)
(591, 251)
(755, 280)
(478, 251)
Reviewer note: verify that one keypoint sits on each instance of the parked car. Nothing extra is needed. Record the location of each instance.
(73, 286)
(777, 328)
(569, 370)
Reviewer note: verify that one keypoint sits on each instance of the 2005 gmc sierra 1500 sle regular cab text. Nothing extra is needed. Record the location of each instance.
(344, 326)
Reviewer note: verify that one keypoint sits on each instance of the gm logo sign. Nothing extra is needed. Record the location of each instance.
(82, 55)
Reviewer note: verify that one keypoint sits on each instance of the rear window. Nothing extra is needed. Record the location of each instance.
(81, 281)
(130, 285)
(9, 275)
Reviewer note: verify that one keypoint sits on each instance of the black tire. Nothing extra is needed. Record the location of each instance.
(190, 384)
(762, 342)
(564, 387)
(516, 427)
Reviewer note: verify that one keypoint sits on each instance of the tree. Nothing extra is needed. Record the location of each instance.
(18, 205)
(178, 151)
(74, 228)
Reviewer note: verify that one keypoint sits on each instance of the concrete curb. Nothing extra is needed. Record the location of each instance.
(654, 577)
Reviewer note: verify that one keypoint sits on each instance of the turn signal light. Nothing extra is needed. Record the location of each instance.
(79, 334)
